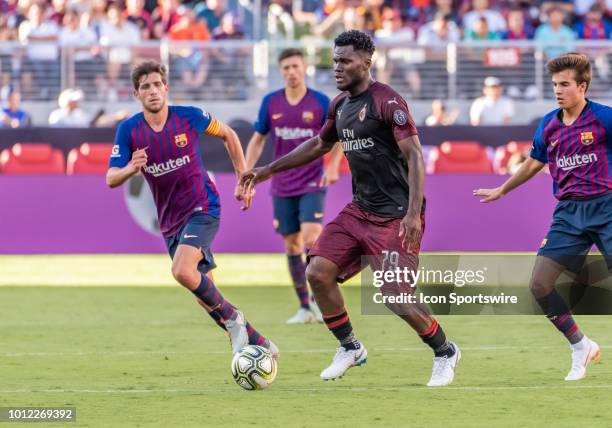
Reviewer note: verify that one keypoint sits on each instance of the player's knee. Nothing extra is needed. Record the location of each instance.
(182, 274)
(309, 241)
(538, 287)
(317, 276)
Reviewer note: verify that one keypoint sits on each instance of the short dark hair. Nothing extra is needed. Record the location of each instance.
(146, 68)
(359, 40)
(575, 61)
(289, 52)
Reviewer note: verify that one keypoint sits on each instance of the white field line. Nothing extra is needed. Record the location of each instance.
(291, 351)
(323, 388)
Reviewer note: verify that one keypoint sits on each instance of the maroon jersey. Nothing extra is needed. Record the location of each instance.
(369, 127)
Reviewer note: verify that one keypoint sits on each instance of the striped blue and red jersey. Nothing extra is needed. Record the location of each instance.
(174, 170)
(579, 155)
(290, 126)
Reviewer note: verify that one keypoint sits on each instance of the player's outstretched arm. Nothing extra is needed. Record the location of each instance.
(330, 174)
(527, 170)
(410, 227)
(306, 152)
(116, 176)
(254, 149)
(236, 155)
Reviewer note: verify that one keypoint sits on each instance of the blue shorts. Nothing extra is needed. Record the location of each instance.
(577, 225)
(291, 211)
(199, 232)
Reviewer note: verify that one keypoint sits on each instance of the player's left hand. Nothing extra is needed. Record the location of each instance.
(330, 176)
(410, 232)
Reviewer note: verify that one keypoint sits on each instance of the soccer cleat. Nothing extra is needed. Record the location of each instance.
(344, 360)
(314, 308)
(443, 370)
(237, 331)
(583, 353)
(302, 316)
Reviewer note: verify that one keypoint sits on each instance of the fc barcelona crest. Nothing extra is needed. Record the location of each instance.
(308, 116)
(362, 113)
(586, 138)
(180, 140)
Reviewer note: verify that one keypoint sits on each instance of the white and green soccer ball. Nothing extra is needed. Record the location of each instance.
(254, 368)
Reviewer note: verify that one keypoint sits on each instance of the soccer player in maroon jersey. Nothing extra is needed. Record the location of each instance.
(386, 216)
(575, 141)
(292, 115)
(162, 143)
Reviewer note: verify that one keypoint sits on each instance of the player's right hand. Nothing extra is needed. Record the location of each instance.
(139, 159)
(490, 195)
(249, 179)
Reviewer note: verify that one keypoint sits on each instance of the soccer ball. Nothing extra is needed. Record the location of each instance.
(254, 368)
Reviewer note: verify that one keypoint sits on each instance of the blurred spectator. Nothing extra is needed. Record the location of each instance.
(120, 36)
(229, 29)
(96, 16)
(136, 14)
(396, 57)
(517, 28)
(516, 160)
(12, 116)
(7, 30)
(211, 11)
(566, 6)
(481, 31)
(58, 10)
(480, 8)
(583, 6)
(83, 43)
(493, 108)
(42, 54)
(593, 26)
(439, 116)
(555, 37)
(69, 113)
(164, 17)
(440, 31)
(191, 62)
(444, 7)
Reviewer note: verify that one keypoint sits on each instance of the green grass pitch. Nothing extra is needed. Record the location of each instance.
(142, 353)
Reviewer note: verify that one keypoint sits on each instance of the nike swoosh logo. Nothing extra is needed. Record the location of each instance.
(189, 236)
(554, 143)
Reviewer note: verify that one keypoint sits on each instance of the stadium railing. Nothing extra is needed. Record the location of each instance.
(241, 70)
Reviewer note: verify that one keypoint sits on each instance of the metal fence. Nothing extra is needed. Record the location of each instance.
(241, 70)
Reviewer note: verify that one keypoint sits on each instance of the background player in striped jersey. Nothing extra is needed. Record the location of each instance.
(575, 141)
(162, 143)
(292, 115)
(386, 216)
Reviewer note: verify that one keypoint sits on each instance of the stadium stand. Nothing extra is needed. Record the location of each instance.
(32, 158)
(89, 158)
(459, 157)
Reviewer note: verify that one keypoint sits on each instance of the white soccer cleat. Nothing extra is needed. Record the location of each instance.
(583, 353)
(314, 308)
(344, 360)
(443, 370)
(236, 329)
(302, 316)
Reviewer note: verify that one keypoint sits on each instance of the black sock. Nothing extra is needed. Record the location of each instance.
(436, 339)
(340, 325)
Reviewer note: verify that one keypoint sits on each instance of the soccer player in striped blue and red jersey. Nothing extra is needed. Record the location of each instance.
(575, 141)
(161, 142)
(291, 116)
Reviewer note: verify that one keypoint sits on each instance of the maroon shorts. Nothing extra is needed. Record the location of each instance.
(356, 233)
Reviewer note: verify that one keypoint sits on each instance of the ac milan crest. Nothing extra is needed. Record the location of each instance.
(362, 113)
